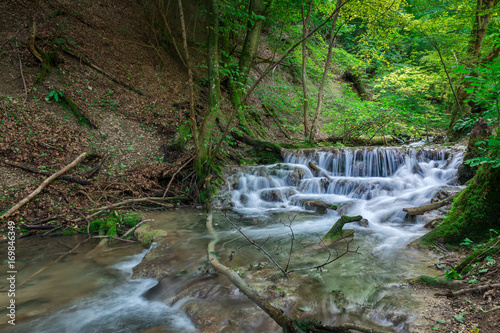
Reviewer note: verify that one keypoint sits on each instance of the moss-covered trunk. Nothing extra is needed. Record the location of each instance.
(247, 56)
(475, 211)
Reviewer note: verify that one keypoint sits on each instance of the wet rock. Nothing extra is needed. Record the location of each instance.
(319, 206)
(294, 178)
(441, 195)
(276, 195)
(363, 223)
(271, 196)
(344, 207)
(433, 223)
(244, 199)
(147, 235)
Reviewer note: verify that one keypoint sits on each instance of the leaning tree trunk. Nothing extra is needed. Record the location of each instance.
(247, 56)
(325, 72)
(305, 23)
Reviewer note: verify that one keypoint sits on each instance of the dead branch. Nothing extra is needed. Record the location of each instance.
(255, 244)
(120, 239)
(55, 261)
(173, 176)
(450, 293)
(427, 208)
(135, 227)
(45, 173)
(129, 201)
(22, 74)
(288, 325)
(44, 184)
(320, 171)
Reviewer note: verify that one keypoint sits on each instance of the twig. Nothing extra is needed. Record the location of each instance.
(255, 244)
(44, 184)
(22, 74)
(126, 202)
(120, 239)
(55, 261)
(173, 176)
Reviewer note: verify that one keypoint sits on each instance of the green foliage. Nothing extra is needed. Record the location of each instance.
(452, 274)
(55, 95)
(492, 148)
(114, 224)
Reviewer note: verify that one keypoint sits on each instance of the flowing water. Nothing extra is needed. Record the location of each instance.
(375, 183)
(82, 295)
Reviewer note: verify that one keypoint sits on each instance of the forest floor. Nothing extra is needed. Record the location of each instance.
(131, 132)
(475, 310)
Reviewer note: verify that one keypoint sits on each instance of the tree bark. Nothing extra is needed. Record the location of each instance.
(325, 72)
(305, 23)
(427, 208)
(247, 56)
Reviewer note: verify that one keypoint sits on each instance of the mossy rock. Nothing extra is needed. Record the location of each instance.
(147, 235)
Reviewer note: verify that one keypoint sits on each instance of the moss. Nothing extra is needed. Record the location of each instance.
(432, 281)
(474, 212)
(148, 237)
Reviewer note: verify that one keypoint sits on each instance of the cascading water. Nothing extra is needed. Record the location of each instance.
(375, 183)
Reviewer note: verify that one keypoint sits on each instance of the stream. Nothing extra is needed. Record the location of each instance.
(88, 295)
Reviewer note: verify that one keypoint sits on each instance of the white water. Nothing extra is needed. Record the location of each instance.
(374, 183)
(122, 309)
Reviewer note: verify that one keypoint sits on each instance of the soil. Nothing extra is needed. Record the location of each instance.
(474, 311)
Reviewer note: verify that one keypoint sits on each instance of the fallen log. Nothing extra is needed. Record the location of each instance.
(427, 208)
(100, 70)
(45, 173)
(320, 171)
(44, 184)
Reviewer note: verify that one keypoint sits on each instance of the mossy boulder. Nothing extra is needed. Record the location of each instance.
(147, 235)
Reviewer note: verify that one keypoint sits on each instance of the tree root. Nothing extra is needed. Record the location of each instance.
(450, 293)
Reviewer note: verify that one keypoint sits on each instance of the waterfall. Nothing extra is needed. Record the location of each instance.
(376, 183)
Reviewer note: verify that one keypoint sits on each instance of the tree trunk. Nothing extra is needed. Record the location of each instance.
(474, 212)
(305, 23)
(481, 22)
(325, 72)
(247, 56)
(205, 142)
